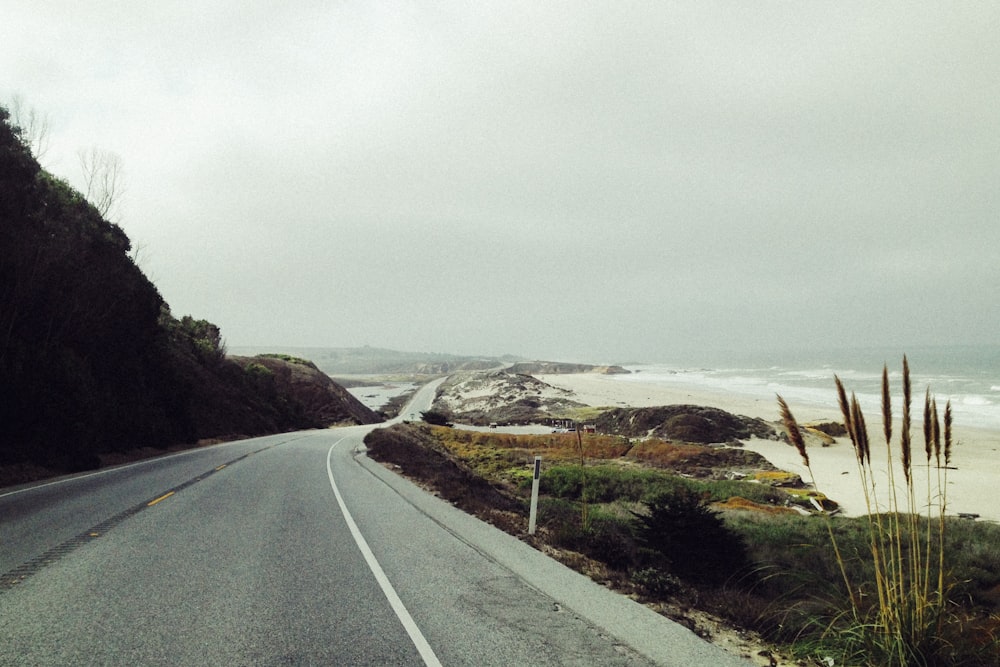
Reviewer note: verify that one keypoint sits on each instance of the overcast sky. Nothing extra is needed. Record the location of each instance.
(585, 181)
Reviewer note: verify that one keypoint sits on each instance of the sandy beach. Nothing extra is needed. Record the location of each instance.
(976, 453)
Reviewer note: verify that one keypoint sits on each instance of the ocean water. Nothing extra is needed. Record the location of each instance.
(376, 396)
(968, 376)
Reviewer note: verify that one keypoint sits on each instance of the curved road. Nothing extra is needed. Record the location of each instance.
(295, 549)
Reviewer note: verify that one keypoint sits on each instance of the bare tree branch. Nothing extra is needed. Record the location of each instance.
(103, 178)
(34, 125)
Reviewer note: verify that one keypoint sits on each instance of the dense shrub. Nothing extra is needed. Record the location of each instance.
(435, 417)
(609, 483)
(678, 532)
(603, 536)
(562, 520)
(604, 483)
(610, 539)
(656, 582)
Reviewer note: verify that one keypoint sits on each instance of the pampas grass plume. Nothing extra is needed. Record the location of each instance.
(794, 434)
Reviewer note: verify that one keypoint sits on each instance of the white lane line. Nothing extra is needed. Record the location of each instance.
(417, 637)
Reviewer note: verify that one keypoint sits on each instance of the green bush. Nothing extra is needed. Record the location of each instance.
(435, 417)
(606, 483)
(610, 539)
(563, 521)
(724, 489)
(656, 582)
(290, 359)
(610, 483)
(604, 536)
(678, 532)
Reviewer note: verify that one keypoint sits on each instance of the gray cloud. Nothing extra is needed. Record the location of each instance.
(571, 180)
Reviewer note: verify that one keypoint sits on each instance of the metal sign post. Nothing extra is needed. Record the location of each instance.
(533, 515)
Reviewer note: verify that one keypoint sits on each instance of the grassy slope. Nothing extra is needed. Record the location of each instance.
(587, 521)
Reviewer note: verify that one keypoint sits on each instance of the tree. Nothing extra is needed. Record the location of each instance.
(34, 126)
(679, 530)
(103, 179)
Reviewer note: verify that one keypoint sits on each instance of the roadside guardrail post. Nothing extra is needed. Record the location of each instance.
(533, 515)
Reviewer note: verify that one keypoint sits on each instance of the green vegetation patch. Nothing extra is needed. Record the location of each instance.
(813, 583)
(605, 483)
(289, 358)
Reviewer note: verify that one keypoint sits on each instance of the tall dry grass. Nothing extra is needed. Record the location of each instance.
(899, 616)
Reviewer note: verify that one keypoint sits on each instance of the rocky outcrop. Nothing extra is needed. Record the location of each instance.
(684, 423)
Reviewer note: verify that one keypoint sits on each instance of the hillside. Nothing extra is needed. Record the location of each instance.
(322, 399)
(483, 397)
(369, 360)
(91, 358)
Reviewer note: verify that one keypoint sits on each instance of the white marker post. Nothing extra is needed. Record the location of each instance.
(533, 515)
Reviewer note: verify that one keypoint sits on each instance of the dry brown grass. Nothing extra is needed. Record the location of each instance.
(777, 478)
(555, 446)
(738, 503)
(664, 454)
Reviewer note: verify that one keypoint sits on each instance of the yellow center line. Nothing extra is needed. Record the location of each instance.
(221, 467)
(163, 497)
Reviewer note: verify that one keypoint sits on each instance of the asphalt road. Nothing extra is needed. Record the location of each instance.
(294, 549)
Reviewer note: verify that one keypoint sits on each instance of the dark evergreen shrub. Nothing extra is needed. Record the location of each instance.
(681, 534)
(435, 417)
